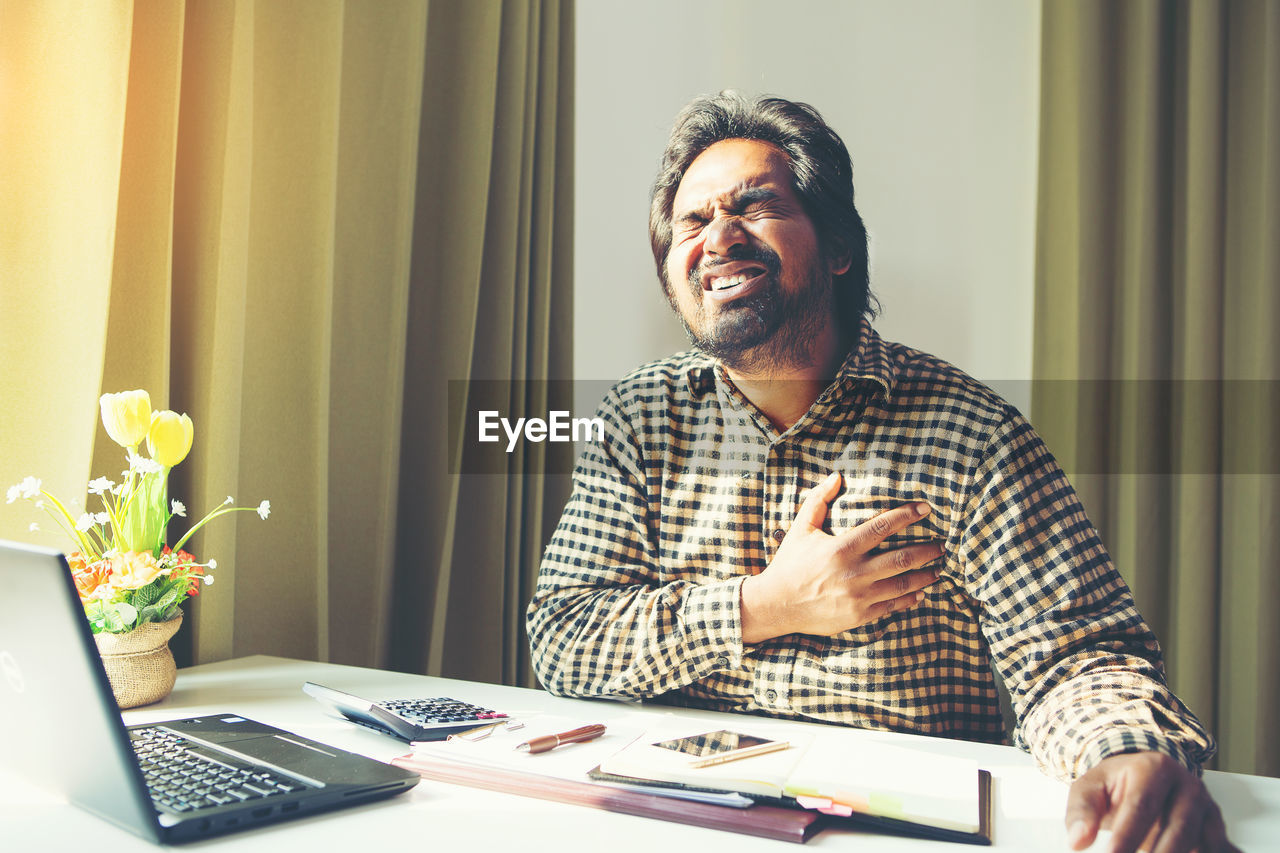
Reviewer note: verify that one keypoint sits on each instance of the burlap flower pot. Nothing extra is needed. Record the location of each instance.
(139, 664)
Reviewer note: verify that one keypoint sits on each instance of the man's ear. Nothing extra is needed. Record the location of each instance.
(839, 259)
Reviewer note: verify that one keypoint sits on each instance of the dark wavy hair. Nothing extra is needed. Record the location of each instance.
(820, 169)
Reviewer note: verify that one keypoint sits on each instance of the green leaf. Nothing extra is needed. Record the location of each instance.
(97, 618)
(128, 614)
(169, 599)
(111, 621)
(146, 595)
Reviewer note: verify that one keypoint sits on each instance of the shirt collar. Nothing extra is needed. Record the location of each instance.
(869, 361)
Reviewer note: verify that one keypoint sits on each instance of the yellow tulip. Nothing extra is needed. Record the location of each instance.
(127, 416)
(170, 437)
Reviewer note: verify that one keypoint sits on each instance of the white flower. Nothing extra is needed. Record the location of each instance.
(264, 509)
(100, 486)
(40, 504)
(208, 579)
(84, 522)
(101, 518)
(179, 509)
(34, 527)
(30, 487)
(213, 564)
(229, 500)
(13, 494)
(142, 465)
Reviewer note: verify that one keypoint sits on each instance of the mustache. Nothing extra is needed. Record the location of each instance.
(762, 255)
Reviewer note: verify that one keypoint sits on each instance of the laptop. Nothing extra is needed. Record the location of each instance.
(172, 781)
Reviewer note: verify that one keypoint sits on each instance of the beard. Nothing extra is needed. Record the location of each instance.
(771, 331)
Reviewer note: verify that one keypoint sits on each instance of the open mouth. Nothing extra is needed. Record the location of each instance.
(733, 282)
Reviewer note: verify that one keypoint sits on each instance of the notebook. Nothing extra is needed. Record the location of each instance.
(170, 781)
(840, 772)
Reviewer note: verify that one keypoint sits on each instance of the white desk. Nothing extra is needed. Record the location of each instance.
(439, 818)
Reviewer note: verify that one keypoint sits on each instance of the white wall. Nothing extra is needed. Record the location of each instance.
(937, 101)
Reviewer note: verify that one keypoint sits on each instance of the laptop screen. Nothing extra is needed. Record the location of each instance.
(61, 723)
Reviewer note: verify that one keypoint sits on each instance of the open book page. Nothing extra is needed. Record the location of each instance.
(498, 749)
(758, 774)
(889, 781)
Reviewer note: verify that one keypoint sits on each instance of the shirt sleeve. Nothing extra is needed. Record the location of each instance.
(1084, 672)
(602, 621)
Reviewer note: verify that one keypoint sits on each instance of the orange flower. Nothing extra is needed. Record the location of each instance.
(197, 576)
(180, 558)
(134, 570)
(186, 563)
(93, 580)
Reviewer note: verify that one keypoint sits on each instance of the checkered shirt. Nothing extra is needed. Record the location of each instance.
(693, 489)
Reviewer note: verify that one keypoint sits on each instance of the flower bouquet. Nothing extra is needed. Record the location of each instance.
(130, 582)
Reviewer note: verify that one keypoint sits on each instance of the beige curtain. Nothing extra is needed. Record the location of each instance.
(1156, 350)
(295, 220)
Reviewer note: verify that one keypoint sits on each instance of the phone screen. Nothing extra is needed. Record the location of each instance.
(712, 743)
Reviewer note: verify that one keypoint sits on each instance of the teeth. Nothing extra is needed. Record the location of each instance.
(728, 281)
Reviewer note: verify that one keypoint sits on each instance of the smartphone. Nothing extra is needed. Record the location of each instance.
(720, 746)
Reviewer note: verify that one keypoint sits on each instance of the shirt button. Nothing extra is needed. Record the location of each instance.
(779, 535)
(722, 662)
(771, 695)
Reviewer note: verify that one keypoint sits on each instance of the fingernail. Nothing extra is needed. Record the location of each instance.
(923, 508)
(1076, 832)
(831, 478)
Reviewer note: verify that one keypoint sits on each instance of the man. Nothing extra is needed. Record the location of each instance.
(800, 519)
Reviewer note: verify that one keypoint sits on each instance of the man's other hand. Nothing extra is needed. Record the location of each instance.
(824, 584)
(1149, 802)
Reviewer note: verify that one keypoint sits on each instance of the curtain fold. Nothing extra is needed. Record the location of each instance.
(1156, 357)
(61, 140)
(503, 314)
(295, 220)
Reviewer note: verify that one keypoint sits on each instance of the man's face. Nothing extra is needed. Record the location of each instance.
(745, 270)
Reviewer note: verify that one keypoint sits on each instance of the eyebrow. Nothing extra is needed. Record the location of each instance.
(735, 199)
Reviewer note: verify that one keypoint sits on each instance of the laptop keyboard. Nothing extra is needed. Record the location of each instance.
(183, 777)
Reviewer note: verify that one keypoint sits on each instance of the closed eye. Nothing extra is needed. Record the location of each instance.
(689, 223)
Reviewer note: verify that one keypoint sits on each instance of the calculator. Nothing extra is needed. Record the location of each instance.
(406, 719)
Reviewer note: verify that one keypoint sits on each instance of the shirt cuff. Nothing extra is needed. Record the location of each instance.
(1118, 741)
(711, 617)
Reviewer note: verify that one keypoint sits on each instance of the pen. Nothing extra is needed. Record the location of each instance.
(549, 742)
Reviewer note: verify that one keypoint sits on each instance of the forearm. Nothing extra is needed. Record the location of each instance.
(1084, 671)
(1111, 705)
(632, 641)
(1086, 675)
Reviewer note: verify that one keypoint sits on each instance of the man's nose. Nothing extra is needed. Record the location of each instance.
(724, 234)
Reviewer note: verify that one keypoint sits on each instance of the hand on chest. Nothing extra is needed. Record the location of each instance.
(718, 523)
